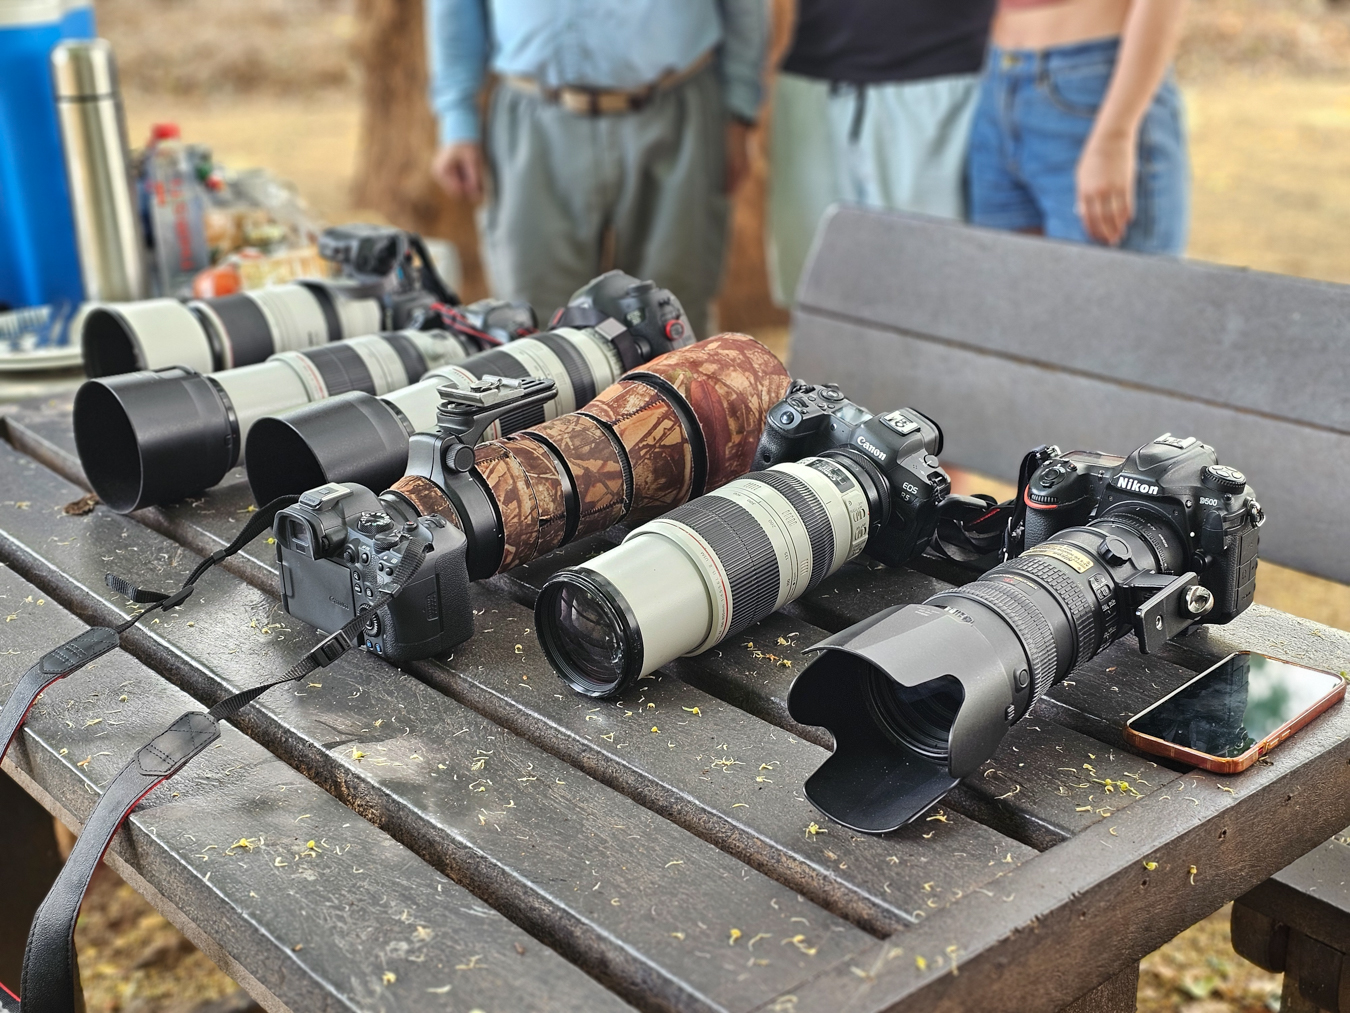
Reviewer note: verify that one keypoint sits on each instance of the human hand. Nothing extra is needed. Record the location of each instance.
(738, 154)
(458, 168)
(1106, 182)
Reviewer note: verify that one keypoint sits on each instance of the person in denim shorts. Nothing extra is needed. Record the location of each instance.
(1079, 133)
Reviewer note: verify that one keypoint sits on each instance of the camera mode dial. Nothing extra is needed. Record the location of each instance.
(1224, 479)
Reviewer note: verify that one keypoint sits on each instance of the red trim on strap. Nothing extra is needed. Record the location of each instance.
(9, 993)
(18, 730)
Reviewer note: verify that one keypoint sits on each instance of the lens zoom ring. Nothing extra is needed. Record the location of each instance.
(813, 515)
(1021, 613)
(743, 551)
(1080, 605)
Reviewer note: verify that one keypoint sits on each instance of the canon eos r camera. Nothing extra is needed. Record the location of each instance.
(338, 548)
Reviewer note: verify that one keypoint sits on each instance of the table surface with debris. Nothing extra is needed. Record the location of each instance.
(468, 834)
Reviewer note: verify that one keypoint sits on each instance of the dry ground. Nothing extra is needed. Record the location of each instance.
(270, 82)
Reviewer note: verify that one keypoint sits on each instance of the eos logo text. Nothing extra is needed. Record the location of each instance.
(876, 452)
(1130, 484)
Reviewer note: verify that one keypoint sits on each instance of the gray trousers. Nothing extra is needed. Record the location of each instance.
(561, 183)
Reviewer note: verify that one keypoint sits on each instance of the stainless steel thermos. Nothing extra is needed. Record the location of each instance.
(93, 132)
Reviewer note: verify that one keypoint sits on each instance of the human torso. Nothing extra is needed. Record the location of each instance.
(600, 43)
(1033, 24)
(888, 40)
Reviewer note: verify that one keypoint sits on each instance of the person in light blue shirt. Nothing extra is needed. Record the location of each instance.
(615, 133)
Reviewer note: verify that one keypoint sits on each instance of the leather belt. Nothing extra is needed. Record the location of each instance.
(605, 101)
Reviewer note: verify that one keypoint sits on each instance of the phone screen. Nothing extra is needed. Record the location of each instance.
(1236, 704)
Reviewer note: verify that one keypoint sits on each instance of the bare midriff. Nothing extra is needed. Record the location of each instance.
(1058, 23)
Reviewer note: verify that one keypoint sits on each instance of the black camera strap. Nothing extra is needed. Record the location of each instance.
(50, 971)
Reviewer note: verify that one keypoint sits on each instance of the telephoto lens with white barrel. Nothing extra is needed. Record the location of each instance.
(610, 326)
(686, 581)
(209, 335)
(155, 436)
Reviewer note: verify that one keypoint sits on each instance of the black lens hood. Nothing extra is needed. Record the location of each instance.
(153, 437)
(872, 782)
(354, 437)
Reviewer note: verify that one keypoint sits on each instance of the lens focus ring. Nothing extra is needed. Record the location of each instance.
(1026, 620)
(1070, 594)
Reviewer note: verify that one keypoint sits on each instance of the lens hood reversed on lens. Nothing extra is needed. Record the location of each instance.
(917, 697)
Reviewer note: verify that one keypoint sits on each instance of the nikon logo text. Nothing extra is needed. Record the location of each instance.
(876, 452)
(1130, 484)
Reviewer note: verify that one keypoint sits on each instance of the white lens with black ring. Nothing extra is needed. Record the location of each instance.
(684, 582)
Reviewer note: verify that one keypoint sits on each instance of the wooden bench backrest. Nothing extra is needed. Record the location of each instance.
(1012, 341)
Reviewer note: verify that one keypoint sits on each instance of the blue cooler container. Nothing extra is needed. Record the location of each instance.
(38, 261)
(77, 19)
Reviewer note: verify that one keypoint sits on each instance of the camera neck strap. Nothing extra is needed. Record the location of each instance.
(977, 532)
(50, 971)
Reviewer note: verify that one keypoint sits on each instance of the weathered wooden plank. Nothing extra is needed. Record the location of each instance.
(204, 524)
(353, 921)
(1084, 910)
(1023, 791)
(721, 773)
(581, 866)
(1312, 894)
(990, 413)
(1265, 342)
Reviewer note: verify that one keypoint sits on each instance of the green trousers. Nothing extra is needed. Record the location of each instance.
(573, 195)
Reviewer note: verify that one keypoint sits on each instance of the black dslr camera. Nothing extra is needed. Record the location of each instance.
(377, 262)
(339, 546)
(1208, 514)
(918, 696)
(897, 452)
(341, 543)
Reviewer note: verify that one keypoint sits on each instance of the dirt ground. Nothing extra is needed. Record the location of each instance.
(271, 83)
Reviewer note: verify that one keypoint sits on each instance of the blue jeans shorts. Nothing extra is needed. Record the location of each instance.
(1035, 112)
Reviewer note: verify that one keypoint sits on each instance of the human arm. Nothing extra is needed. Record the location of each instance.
(1108, 166)
(457, 56)
(745, 43)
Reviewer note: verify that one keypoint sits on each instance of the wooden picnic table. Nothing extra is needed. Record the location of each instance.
(469, 834)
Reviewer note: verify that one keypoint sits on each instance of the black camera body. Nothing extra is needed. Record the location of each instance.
(653, 321)
(338, 548)
(898, 453)
(376, 262)
(1174, 480)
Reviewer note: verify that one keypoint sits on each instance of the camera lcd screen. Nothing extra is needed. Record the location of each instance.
(1239, 702)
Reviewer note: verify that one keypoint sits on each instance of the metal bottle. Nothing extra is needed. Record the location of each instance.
(93, 131)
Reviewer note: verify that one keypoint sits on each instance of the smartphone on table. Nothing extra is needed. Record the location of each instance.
(1231, 714)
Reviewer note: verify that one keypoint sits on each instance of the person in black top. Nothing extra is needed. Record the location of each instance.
(873, 106)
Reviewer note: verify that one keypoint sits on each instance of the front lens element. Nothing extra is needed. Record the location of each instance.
(919, 718)
(587, 635)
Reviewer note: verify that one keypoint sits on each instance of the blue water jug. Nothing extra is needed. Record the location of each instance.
(77, 19)
(38, 261)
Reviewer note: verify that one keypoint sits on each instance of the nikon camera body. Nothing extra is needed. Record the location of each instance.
(1175, 482)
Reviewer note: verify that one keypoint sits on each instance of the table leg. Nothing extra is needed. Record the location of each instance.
(1118, 995)
(1292, 1001)
(31, 864)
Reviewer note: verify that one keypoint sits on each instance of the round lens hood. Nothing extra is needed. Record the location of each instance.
(353, 437)
(124, 337)
(589, 633)
(147, 438)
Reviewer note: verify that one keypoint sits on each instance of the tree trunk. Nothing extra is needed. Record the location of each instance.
(398, 138)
